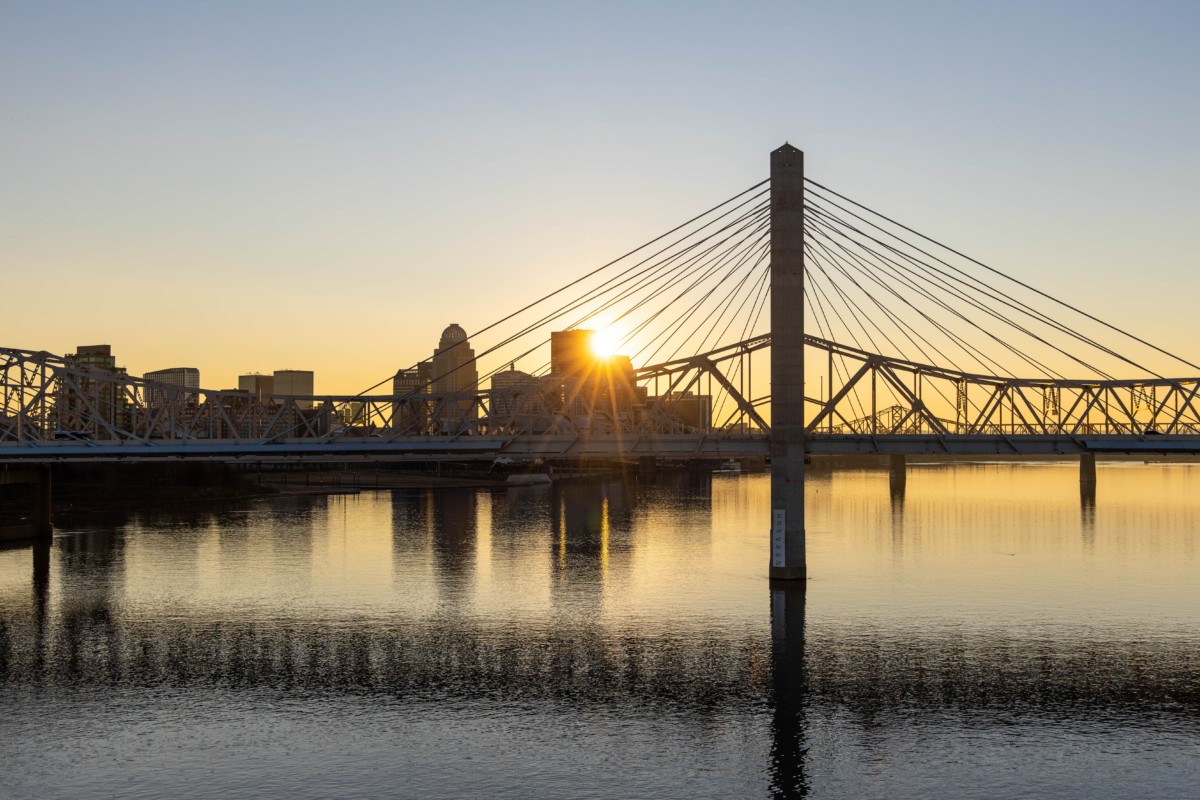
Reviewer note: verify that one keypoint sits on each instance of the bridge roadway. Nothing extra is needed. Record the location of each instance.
(598, 447)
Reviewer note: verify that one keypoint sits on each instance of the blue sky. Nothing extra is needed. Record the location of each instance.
(259, 185)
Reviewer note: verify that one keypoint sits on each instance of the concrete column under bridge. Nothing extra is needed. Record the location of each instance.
(39, 522)
(1087, 477)
(787, 364)
(897, 474)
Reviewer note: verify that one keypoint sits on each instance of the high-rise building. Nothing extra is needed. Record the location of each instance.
(266, 391)
(454, 362)
(182, 377)
(453, 367)
(409, 412)
(185, 377)
(98, 356)
(591, 383)
(513, 394)
(413, 381)
(85, 402)
(295, 382)
(256, 384)
(692, 411)
(571, 352)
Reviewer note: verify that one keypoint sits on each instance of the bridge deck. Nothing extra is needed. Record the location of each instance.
(995, 444)
(417, 448)
(675, 446)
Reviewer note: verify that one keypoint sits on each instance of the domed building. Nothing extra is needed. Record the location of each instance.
(454, 362)
(452, 336)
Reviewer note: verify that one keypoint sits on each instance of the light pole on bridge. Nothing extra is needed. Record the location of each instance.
(787, 364)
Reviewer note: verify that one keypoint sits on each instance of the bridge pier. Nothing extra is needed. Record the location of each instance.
(897, 474)
(787, 365)
(41, 520)
(647, 467)
(1087, 476)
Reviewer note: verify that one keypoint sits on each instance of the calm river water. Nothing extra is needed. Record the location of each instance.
(988, 634)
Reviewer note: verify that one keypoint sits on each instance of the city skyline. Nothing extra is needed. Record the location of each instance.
(199, 184)
(453, 367)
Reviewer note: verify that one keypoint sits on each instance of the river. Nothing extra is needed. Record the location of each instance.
(987, 633)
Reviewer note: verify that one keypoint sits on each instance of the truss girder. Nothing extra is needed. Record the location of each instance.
(952, 403)
(45, 398)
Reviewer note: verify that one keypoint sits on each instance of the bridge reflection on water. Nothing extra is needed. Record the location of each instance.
(979, 602)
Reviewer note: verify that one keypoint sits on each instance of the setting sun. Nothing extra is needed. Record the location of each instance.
(605, 342)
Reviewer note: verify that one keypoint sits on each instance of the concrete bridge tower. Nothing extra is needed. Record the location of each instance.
(787, 364)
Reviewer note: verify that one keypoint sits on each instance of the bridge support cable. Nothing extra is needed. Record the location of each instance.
(740, 254)
(821, 254)
(703, 263)
(1008, 278)
(902, 280)
(675, 329)
(730, 395)
(603, 281)
(719, 265)
(996, 337)
(936, 279)
(701, 256)
(907, 330)
(649, 283)
(905, 306)
(715, 270)
(948, 272)
(818, 249)
(747, 312)
(836, 367)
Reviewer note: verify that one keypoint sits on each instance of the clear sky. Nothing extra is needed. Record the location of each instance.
(249, 186)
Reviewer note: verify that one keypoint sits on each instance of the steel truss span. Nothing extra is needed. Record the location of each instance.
(890, 405)
(52, 410)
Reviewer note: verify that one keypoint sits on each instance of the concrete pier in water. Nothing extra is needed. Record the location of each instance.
(40, 523)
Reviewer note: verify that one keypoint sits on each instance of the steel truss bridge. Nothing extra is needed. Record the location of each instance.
(56, 411)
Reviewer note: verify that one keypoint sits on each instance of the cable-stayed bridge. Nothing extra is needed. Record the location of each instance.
(787, 320)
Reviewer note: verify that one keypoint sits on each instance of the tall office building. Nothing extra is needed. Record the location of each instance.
(571, 352)
(182, 377)
(88, 397)
(590, 382)
(256, 384)
(98, 356)
(413, 381)
(513, 393)
(411, 414)
(454, 362)
(185, 377)
(295, 382)
(453, 367)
